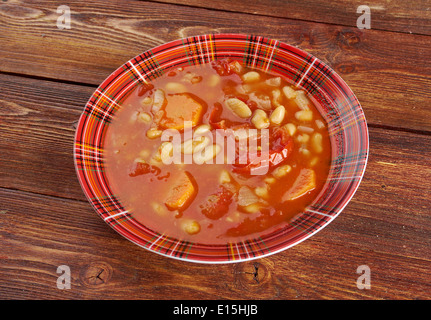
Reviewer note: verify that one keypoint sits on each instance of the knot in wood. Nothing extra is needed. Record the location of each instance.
(345, 68)
(307, 38)
(96, 274)
(348, 38)
(250, 274)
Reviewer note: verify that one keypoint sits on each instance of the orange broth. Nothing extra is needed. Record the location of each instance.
(217, 202)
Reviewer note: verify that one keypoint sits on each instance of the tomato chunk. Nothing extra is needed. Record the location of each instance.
(144, 168)
(273, 157)
(225, 67)
(217, 204)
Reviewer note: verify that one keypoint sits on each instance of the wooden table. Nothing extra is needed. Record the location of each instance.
(47, 75)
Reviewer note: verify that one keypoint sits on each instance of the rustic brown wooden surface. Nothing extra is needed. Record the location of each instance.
(47, 75)
(400, 16)
(382, 61)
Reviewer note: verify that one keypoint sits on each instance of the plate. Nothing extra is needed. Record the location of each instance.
(333, 98)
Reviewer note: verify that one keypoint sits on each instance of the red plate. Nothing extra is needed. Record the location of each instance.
(331, 95)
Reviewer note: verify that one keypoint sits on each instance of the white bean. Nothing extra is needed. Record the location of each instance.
(281, 171)
(262, 192)
(190, 226)
(316, 142)
(207, 154)
(303, 138)
(276, 97)
(194, 145)
(166, 150)
(277, 116)
(273, 82)
(251, 76)
(240, 108)
(289, 92)
(159, 100)
(305, 129)
(187, 147)
(154, 133)
(291, 128)
(260, 119)
(202, 129)
(304, 115)
(270, 180)
(175, 87)
(144, 117)
(147, 101)
(200, 143)
(301, 100)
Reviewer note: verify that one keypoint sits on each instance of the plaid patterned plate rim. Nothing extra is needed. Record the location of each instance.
(335, 100)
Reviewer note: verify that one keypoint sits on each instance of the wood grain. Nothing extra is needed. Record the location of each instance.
(386, 225)
(399, 15)
(377, 65)
(45, 220)
(37, 126)
(105, 266)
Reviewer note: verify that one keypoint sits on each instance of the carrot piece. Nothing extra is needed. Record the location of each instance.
(181, 107)
(183, 193)
(305, 182)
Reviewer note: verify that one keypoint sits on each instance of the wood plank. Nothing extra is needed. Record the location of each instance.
(386, 226)
(389, 214)
(389, 72)
(37, 127)
(399, 15)
(104, 265)
(38, 118)
(391, 207)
